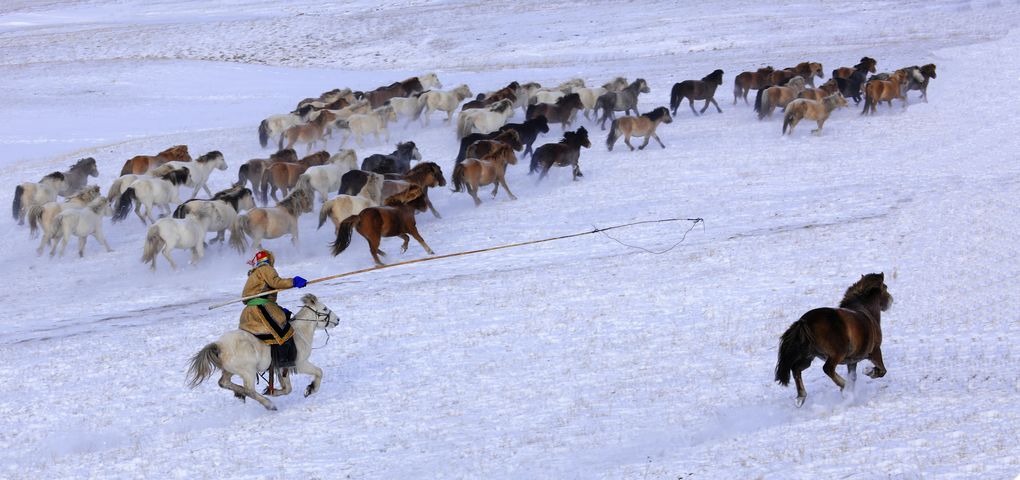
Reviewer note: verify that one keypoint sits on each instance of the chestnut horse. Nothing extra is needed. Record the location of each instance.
(309, 133)
(284, 175)
(877, 91)
(842, 336)
(747, 81)
(489, 169)
(143, 163)
(425, 175)
(692, 90)
(481, 148)
(395, 219)
(252, 170)
(773, 97)
(565, 153)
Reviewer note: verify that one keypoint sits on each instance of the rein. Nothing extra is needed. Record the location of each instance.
(318, 319)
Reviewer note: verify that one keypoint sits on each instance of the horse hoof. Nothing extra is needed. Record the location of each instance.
(800, 401)
(271, 407)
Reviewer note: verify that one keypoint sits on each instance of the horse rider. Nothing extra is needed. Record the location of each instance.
(262, 317)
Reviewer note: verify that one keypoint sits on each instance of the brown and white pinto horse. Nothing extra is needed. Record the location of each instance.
(143, 163)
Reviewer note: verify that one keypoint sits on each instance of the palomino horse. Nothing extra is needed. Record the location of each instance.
(928, 73)
(773, 97)
(566, 153)
(310, 133)
(437, 100)
(326, 178)
(623, 100)
(484, 120)
(29, 194)
(143, 163)
(489, 169)
(148, 192)
(269, 223)
(221, 210)
(481, 148)
(867, 64)
(168, 234)
(642, 126)
(424, 175)
(877, 91)
(562, 112)
(374, 122)
(82, 222)
(842, 336)
(77, 176)
(692, 90)
(43, 216)
(817, 94)
(284, 175)
(811, 109)
(395, 219)
(398, 162)
(747, 81)
(252, 170)
(240, 353)
(198, 170)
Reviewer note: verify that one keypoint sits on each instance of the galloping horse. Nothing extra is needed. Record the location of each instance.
(482, 147)
(437, 100)
(77, 176)
(624, 100)
(808, 71)
(642, 126)
(867, 64)
(143, 163)
(269, 223)
(238, 352)
(484, 120)
(29, 194)
(773, 97)
(395, 219)
(149, 192)
(818, 111)
(489, 169)
(876, 91)
(927, 73)
(221, 210)
(561, 112)
(425, 175)
(565, 153)
(198, 171)
(404, 88)
(82, 222)
(168, 234)
(692, 90)
(284, 175)
(42, 216)
(252, 170)
(398, 162)
(844, 335)
(747, 81)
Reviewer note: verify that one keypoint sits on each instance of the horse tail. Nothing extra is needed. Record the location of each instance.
(614, 134)
(238, 229)
(263, 188)
(530, 110)
(674, 98)
(794, 348)
(324, 212)
(757, 98)
(458, 176)
(16, 207)
(738, 90)
(787, 119)
(242, 175)
(423, 100)
(153, 244)
(764, 104)
(34, 216)
(343, 234)
(463, 126)
(126, 169)
(534, 164)
(202, 364)
(123, 207)
(264, 133)
(181, 210)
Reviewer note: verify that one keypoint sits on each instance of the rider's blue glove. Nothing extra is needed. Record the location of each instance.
(300, 282)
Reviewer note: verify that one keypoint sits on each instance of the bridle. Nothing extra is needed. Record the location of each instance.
(320, 318)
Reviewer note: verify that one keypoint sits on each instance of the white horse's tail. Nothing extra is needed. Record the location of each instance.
(238, 229)
(464, 125)
(203, 363)
(153, 244)
(327, 206)
(423, 100)
(35, 213)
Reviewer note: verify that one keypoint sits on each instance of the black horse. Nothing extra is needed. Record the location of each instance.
(397, 162)
(565, 153)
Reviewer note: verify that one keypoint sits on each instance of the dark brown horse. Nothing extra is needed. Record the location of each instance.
(395, 219)
(692, 90)
(747, 81)
(405, 88)
(425, 175)
(842, 336)
(565, 153)
(481, 148)
(867, 64)
(562, 112)
(143, 163)
(284, 175)
(252, 170)
(508, 92)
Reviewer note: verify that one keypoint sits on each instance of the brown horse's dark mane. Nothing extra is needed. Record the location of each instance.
(656, 114)
(421, 170)
(715, 77)
(294, 203)
(284, 154)
(208, 157)
(862, 292)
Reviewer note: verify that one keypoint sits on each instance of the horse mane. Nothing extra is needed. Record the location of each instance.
(232, 195)
(402, 198)
(58, 176)
(209, 157)
(656, 114)
(284, 154)
(566, 98)
(294, 202)
(715, 77)
(422, 169)
(83, 163)
(309, 299)
(86, 194)
(177, 176)
(176, 151)
(865, 288)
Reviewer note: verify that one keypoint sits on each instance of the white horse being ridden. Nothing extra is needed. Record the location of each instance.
(82, 222)
(176, 233)
(198, 170)
(374, 122)
(448, 102)
(326, 178)
(238, 352)
(222, 210)
(43, 216)
(484, 120)
(147, 192)
(29, 194)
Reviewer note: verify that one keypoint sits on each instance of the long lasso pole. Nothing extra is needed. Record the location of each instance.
(472, 252)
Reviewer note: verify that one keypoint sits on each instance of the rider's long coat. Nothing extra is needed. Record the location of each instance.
(263, 279)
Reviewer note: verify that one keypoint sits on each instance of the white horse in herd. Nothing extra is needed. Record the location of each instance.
(324, 179)
(148, 192)
(374, 122)
(29, 194)
(271, 222)
(198, 170)
(437, 100)
(484, 120)
(169, 234)
(221, 210)
(41, 217)
(82, 222)
(238, 352)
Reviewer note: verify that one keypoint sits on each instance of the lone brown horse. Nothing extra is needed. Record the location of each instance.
(395, 219)
(748, 81)
(143, 163)
(842, 336)
(692, 90)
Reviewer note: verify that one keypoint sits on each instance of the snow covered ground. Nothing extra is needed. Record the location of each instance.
(573, 359)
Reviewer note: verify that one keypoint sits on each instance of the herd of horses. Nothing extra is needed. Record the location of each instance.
(380, 196)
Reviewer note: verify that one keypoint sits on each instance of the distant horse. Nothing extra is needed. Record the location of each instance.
(143, 163)
(374, 122)
(928, 73)
(341, 116)
(398, 162)
(198, 171)
(437, 100)
(561, 112)
(283, 176)
(528, 132)
(238, 352)
(867, 64)
(270, 222)
(252, 170)
(747, 81)
(773, 97)
(77, 176)
(877, 91)
(326, 178)
(425, 175)
(623, 100)
(274, 125)
(310, 133)
(332, 96)
(221, 210)
(168, 234)
(489, 169)
(149, 192)
(395, 219)
(844, 335)
(82, 222)
(484, 120)
(482, 147)
(43, 216)
(510, 92)
(692, 90)
(642, 126)
(404, 88)
(811, 109)
(30, 194)
(590, 95)
(565, 153)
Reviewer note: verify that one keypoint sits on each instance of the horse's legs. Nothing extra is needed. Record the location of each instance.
(473, 191)
(801, 391)
(431, 207)
(818, 131)
(249, 390)
(417, 236)
(373, 248)
(830, 369)
(308, 369)
(851, 372)
(81, 245)
(225, 383)
(407, 240)
(138, 211)
(502, 180)
(197, 252)
(878, 370)
(707, 101)
(691, 102)
(167, 249)
(626, 140)
(657, 139)
(577, 171)
(285, 385)
(648, 138)
(712, 99)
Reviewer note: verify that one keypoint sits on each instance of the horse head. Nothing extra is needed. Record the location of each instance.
(928, 70)
(315, 311)
(641, 85)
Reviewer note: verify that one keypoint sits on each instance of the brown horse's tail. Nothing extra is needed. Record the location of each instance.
(794, 348)
(264, 133)
(675, 98)
(614, 134)
(458, 176)
(238, 230)
(16, 207)
(126, 170)
(153, 244)
(869, 100)
(202, 364)
(242, 176)
(343, 234)
(763, 104)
